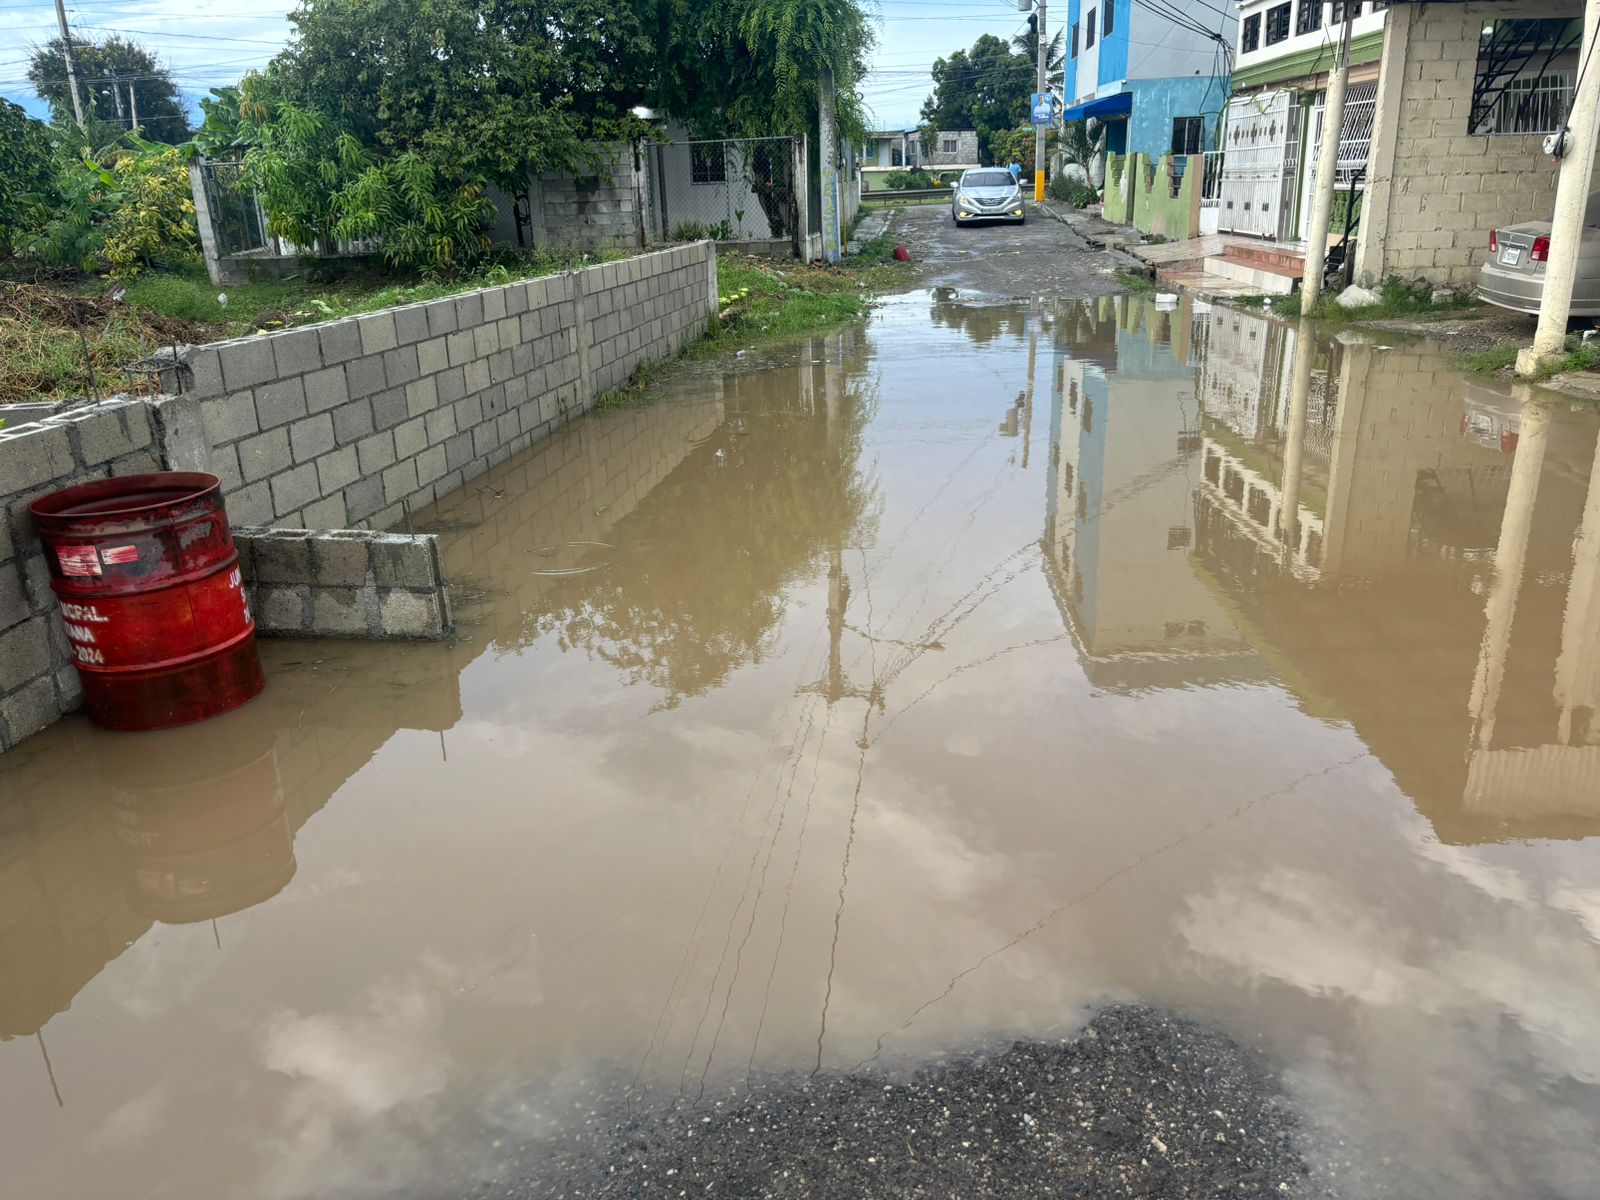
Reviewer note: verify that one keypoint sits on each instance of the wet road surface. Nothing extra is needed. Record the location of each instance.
(854, 711)
(1042, 257)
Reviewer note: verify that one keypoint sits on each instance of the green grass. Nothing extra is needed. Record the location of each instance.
(1136, 282)
(764, 300)
(41, 357)
(1252, 302)
(186, 293)
(1397, 299)
(1579, 356)
(1486, 362)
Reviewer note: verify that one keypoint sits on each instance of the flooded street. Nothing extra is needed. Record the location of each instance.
(892, 694)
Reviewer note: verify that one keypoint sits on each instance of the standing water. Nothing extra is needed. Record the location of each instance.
(894, 694)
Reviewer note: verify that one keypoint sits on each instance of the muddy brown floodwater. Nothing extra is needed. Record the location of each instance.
(892, 693)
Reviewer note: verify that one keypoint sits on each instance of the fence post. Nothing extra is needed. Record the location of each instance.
(202, 218)
(802, 199)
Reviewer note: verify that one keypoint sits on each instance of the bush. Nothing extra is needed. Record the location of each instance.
(899, 181)
(124, 210)
(1071, 191)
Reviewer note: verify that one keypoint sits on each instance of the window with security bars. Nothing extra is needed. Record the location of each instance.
(1178, 537)
(1308, 17)
(708, 163)
(1336, 17)
(1533, 105)
(1278, 24)
(1250, 39)
(1188, 135)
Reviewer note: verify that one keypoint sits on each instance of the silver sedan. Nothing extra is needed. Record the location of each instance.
(987, 194)
(1513, 277)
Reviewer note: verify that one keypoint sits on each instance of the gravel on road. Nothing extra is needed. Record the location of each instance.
(1043, 257)
(1139, 1104)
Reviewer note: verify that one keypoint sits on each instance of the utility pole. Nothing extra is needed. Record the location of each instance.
(133, 104)
(1039, 131)
(72, 64)
(1327, 168)
(1574, 146)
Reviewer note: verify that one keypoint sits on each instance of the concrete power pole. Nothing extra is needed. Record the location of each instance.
(1327, 169)
(133, 105)
(72, 64)
(828, 159)
(1572, 194)
(1040, 131)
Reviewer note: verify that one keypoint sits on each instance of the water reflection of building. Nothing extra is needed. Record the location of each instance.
(1438, 587)
(1126, 457)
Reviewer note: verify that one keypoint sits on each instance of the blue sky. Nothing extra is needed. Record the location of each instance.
(207, 43)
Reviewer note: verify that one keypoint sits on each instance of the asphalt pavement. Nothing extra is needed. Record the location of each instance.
(1042, 257)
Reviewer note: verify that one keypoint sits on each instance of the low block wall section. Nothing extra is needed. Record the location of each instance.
(354, 423)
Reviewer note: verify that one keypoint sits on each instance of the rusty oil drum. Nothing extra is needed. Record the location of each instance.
(152, 599)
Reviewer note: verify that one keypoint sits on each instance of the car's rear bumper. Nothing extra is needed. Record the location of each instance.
(1523, 293)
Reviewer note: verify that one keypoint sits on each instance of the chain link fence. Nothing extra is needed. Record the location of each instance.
(740, 190)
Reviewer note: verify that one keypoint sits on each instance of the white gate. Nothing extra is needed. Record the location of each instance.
(1261, 147)
(1355, 139)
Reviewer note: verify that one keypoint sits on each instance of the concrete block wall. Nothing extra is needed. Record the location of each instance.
(344, 583)
(356, 422)
(90, 441)
(1433, 191)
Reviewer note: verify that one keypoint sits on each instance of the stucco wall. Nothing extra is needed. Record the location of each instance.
(1146, 200)
(1434, 192)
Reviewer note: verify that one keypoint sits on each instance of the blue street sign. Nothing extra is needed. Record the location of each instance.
(1044, 108)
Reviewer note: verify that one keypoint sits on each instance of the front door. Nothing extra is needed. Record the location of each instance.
(1259, 142)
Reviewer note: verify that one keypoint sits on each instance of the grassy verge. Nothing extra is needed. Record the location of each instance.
(765, 300)
(1136, 282)
(1580, 356)
(42, 356)
(1396, 299)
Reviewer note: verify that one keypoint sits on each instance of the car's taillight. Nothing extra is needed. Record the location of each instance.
(1494, 241)
(1540, 251)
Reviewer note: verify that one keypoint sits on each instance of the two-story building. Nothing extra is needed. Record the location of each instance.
(1157, 83)
(1441, 139)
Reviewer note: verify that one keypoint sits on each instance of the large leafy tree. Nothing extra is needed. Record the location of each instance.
(985, 88)
(107, 70)
(26, 177)
(753, 69)
(393, 118)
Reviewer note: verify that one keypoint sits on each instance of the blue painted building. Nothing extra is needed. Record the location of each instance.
(1160, 85)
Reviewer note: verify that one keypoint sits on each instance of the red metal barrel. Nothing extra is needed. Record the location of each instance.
(155, 610)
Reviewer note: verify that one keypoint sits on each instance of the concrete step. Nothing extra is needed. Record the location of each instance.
(1274, 281)
(1268, 257)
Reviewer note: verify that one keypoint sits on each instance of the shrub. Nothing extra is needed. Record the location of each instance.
(1071, 191)
(123, 210)
(908, 180)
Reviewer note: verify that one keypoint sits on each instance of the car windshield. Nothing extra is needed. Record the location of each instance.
(989, 179)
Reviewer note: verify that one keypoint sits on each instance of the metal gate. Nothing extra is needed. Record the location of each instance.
(1259, 167)
(1355, 139)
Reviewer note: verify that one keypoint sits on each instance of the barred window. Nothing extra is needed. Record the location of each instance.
(1309, 16)
(1251, 39)
(1277, 24)
(1537, 104)
(708, 163)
